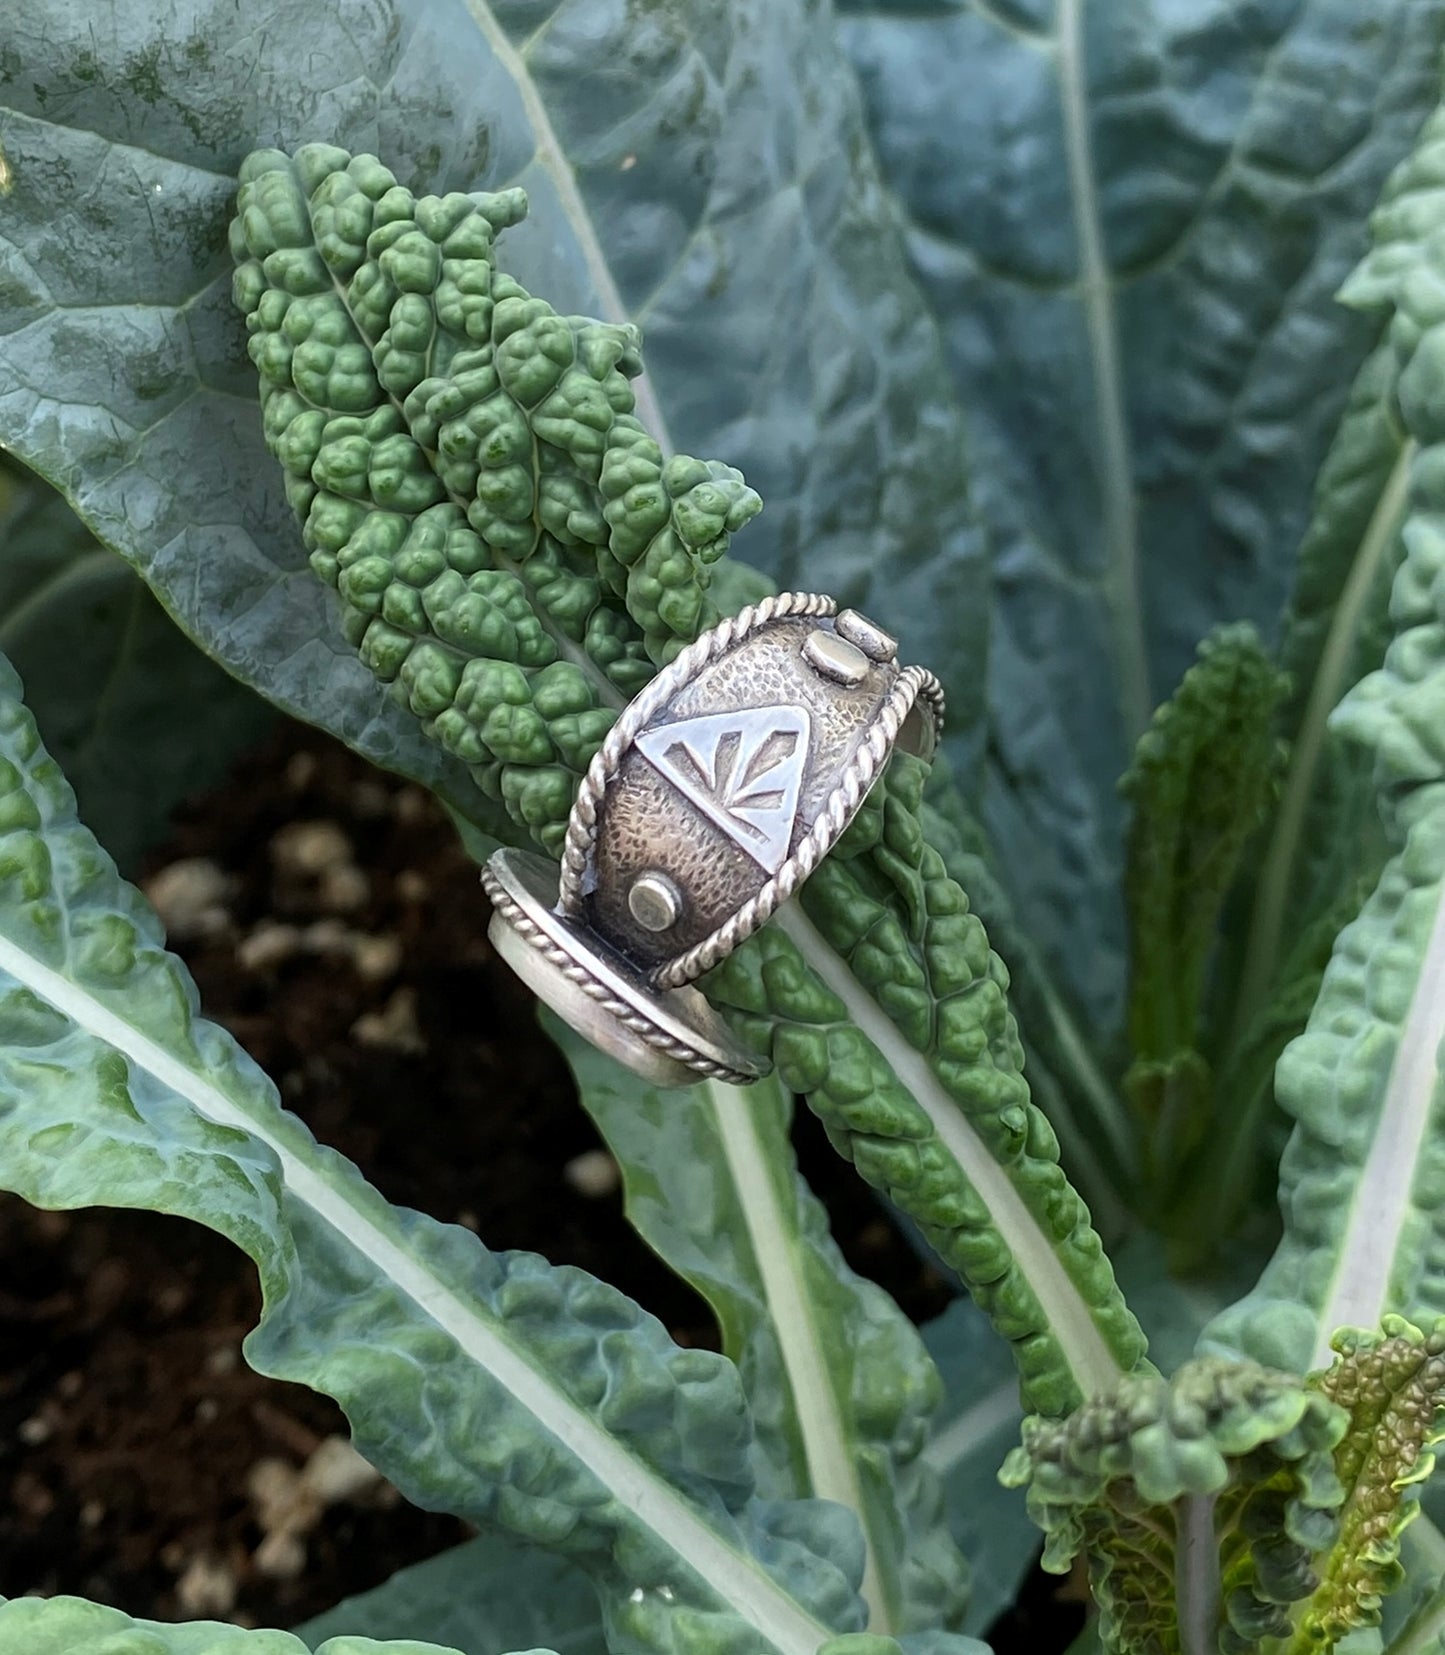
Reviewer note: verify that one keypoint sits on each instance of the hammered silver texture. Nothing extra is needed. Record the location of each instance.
(734, 772)
(717, 792)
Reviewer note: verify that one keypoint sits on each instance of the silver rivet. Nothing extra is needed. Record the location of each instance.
(875, 643)
(656, 903)
(835, 657)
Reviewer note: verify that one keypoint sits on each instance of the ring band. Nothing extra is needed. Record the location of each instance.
(716, 793)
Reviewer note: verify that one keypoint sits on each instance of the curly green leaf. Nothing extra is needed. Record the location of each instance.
(1391, 1384)
(885, 945)
(602, 1439)
(839, 1383)
(1032, 1255)
(1360, 1177)
(1203, 778)
(468, 469)
(1198, 1501)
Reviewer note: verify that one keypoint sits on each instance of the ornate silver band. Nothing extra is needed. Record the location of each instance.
(751, 784)
(718, 791)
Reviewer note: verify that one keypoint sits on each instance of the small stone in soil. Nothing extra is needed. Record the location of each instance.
(412, 887)
(344, 889)
(593, 1174)
(191, 897)
(327, 936)
(269, 945)
(410, 805)
(300, 771)
(310, 848)
(223, 1359)
(207, 1587)
(394, 1028)
(336, 1471)
(376, 958)
(288, 1503)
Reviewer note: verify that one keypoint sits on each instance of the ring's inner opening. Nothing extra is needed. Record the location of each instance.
(919, 732)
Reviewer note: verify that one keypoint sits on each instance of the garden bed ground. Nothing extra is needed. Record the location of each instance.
(336, 928)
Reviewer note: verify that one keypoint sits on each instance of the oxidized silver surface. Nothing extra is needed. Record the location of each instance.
(720, 788)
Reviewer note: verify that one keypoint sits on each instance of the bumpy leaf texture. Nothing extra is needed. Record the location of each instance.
(755, 245)
(1391, 1383)
(1097, 1137)
(1204, 776)
(1326, 844)
(452, 617)
(1326, 834)
(468, 470)
(71, 1626)
(884, 945)
(682, 190)
(1198, 1501)
(1360, 1180)
(1130, 220)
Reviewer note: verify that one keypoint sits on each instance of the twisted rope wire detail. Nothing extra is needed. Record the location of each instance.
(912, 684)
(576, 972)
(582, 823)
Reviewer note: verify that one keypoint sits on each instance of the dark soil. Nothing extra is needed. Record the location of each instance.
(350, 959)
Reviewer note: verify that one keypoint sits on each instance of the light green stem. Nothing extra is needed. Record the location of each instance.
(1331, 680)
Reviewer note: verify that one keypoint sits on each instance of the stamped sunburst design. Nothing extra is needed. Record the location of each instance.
(743, 770)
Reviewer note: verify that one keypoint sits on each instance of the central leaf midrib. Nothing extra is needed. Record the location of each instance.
(736, 1577)
(1380, 1204)
(1198, 1586)
(1119, 506)
(1070, 1323)
(777, 1246)
(1326, 690)
(553, 160)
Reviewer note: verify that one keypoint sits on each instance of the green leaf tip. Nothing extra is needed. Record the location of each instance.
(1223, 1473)
(1391, 1384)
(511, 548)
(1204, 776)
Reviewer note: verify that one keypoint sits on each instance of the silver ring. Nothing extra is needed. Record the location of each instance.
(720, 788)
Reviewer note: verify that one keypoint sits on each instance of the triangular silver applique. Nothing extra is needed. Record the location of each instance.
(743, 770)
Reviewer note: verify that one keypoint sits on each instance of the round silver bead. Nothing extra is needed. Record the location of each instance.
(655, 902)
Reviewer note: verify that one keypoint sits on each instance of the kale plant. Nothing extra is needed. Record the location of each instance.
(1099, 351)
